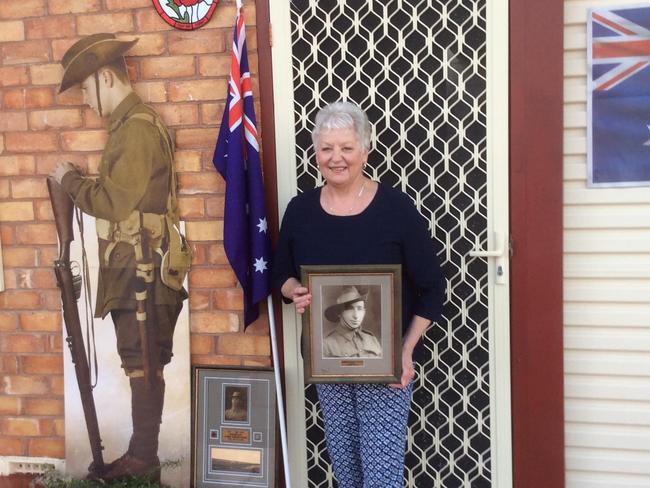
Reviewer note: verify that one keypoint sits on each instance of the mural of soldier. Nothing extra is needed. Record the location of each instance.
(134, 203)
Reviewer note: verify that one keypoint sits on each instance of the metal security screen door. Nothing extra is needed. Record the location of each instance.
(432, 76)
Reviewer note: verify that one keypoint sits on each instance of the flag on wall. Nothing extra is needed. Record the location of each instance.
(237, 158)
(619, 96)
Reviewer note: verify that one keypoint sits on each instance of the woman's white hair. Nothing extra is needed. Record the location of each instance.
(342, 115)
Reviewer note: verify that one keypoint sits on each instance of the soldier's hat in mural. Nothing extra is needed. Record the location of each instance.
(89, 54)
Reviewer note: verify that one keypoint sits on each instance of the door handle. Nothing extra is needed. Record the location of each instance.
(500, 263)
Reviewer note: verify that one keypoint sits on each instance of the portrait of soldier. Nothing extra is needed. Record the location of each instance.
(134, 203)
(348, 339)
(238, 410)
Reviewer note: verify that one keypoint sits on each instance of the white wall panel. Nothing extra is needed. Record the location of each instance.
(606, 300)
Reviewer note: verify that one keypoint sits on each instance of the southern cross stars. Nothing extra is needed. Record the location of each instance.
(260, 264)
(262, 226)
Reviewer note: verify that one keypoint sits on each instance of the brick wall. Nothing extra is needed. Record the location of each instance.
(183, 76)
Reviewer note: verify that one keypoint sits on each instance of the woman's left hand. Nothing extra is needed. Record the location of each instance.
(408, 371)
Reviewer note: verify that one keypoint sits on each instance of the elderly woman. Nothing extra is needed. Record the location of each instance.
(354, 220)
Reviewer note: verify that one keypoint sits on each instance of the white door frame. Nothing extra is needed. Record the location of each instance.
(498, 299)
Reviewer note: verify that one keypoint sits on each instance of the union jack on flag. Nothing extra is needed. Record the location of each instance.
(619, 96)
(237, 158)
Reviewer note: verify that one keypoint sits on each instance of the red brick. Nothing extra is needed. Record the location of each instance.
(19, 257)
(205, 230)
(12, 30)
(215, 206)
(16, 211)
(189, 207)
(149, 20)
(20, 426)
(91, 120)
(25, 52)
(46, 74)
(57, 385)
(36, 234)
(54, 344)
(257, 362)
(46, 364)
(46, 427)
(37, 278)
(148, 45)
(28, 142)
(47, 447)
(215, 360)
(215, 65)
(73, 6)
(43, 210)
(49, 27)
(167, 67)
(126, 4)
(22, 9)
(88, 140)
(19, 300)
(13, 121)
(196, 42)
(187, 160)
(212, 277)
(9, 405)
(8, 321)
(198, 253)
(213, 322)
(178, 113)
(211, 89)
(261, 325)
(211, 113)
(42, 406)
(17, 165)
(47, 255)
(58, 119)
(229, 299)
(193, 138)
(13, 75)
(51, 300)
(199, 344)
(11, 446)
(217, 254)
(151, 92)
(45, 163)
(29, 188)
(59, 427)
(40, 321)
(244, 345)
(8, 365)
(70, 97)
(7, 232)
(22, 343)
(194, 183)
(28, 98)
(113, 22)
(199, 300)
(26, 385)
(60, 46)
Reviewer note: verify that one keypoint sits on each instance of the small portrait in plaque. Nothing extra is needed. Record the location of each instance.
(236, 404)
(236, 460)
(352, 329)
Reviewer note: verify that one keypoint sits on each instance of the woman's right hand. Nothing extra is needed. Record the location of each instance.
(293, 290)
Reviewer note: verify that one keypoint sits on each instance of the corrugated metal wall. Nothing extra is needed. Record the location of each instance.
(606, 300)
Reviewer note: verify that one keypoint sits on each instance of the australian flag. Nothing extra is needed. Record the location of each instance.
(237, 158)
(619, 96)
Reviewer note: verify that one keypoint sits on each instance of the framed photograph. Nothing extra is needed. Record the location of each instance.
(234, 426)
(352, 331)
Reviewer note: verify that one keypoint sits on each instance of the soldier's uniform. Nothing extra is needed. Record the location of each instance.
(343, 342)
(131, 192)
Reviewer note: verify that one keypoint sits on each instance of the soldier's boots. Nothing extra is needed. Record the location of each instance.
(141, 459)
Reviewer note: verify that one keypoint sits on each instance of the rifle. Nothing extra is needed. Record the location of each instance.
(70, 286)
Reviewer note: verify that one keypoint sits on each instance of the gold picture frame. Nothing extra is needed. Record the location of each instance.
(352, 331)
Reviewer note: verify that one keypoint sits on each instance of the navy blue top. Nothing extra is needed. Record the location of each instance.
(389, 231)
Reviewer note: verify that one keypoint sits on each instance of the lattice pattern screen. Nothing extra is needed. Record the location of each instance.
(418, 69)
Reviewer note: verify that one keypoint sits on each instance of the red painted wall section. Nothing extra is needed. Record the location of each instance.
(536, 94)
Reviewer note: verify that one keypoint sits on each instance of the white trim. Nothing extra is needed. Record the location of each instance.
(498, 222)
(287, 188)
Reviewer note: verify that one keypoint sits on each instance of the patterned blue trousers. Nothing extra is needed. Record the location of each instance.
(365, 431)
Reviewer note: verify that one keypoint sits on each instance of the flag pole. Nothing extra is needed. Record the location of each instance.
(278, 393)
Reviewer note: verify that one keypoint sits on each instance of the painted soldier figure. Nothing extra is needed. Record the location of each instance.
(134, 203)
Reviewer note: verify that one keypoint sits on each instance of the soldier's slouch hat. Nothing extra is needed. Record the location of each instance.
(349, 295)
(89, 54)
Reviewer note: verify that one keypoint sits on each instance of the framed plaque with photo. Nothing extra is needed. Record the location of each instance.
(234, 425)
(352, 330)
